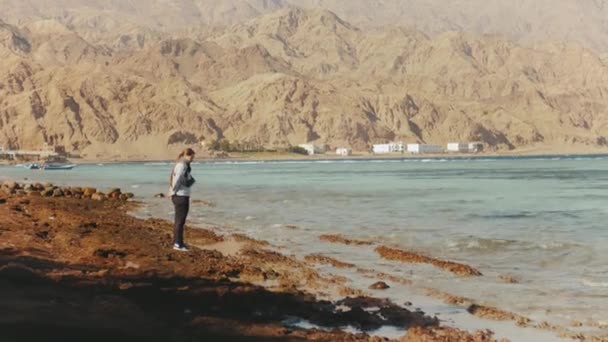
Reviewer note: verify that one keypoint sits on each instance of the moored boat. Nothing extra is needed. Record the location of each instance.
(52, 167)
(31, 166)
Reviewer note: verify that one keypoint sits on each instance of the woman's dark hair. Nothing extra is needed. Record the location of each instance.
(186, 153)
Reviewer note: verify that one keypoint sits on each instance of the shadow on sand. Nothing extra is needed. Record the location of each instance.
(43, 300)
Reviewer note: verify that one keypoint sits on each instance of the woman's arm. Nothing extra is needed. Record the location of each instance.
(179, 177)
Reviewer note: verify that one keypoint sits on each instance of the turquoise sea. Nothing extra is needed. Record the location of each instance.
(542, 220)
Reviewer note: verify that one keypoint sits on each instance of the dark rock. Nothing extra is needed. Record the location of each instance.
(106, 253)
(159, 195)
(57, 193)
(18, 271)
(43, 234)
(2, 200)
(129, 195)
(47, 192)
(114, 195)
(28, 187)
(379, 286)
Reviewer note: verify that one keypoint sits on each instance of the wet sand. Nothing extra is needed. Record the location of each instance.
(84, 269)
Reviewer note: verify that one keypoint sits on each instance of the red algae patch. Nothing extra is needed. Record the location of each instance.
(496, 314)
(448, 298)
(346, 291)
(480, 311)
(508, 279)
(75, 249)
(384, 276)
(344, 240)
(204, 203)
(325, 260)
(247, 239)
(444, 334)
(410, 257)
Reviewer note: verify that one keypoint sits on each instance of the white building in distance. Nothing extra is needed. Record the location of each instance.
(344, 152)
(475, 147)
(460, 147)
(395, 147)
(312, 149)
(424, 148)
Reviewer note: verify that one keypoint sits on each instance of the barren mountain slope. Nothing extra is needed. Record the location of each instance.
(290, 77)
(528, 21)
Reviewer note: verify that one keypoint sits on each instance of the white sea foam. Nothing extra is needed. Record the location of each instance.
(592, 283)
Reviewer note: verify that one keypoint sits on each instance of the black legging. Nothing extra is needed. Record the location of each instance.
(182, 206)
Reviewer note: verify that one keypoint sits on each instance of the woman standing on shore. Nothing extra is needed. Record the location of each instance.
(181, 182)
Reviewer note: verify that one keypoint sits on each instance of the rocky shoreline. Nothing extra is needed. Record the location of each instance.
(49, 190)
(77, 266)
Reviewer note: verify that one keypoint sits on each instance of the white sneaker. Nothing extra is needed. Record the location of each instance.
(180, 248)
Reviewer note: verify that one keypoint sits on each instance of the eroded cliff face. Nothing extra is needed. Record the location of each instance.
(104, 88)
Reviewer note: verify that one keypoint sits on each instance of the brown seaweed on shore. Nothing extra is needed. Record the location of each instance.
(496, 314)
(447, 335)
(80, 269)
(449, 298)
(325, 260)
(247, 239)
(384, 276)
(481, 311)
(344, 240)
(509, 279)
(204, 203)
(411, 257)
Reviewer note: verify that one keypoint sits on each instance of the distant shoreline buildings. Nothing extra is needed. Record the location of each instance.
(400, 147)
(312, 149)
(454, 147)
(47, 152)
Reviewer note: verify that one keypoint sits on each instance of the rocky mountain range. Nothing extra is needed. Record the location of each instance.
(527, 21)
(120, 79)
